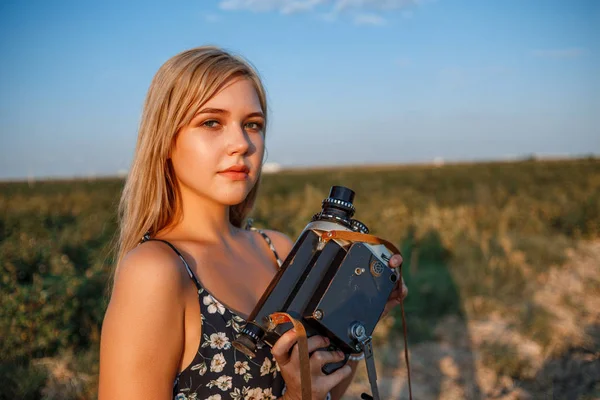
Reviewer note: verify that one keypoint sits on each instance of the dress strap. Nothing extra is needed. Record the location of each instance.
(267, 239)
(147, 238)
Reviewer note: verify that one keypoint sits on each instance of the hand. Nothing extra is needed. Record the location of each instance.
(399, 292)
(285, 352)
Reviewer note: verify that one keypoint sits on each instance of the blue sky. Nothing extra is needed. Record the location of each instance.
(349, 81)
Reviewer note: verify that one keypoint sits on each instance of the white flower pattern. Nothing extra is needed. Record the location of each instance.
(268, 394)
(254, 394)
(219, 341)
(218, 363)
(213, 305)
(241, 367)
(224, 382)
(265, 368)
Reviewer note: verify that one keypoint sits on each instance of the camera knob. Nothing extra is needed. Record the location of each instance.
(357, 331)
(358, 226)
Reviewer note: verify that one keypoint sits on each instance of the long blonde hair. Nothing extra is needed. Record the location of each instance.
(150, 199)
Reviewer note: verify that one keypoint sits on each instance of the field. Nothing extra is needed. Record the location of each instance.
(502, 261)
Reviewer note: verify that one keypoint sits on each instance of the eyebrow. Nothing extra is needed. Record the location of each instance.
(220, 111)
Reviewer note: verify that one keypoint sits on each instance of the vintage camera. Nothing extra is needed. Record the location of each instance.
(337, 288)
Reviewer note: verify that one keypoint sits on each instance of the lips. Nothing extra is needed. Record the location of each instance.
(236, 173)
(237, 168)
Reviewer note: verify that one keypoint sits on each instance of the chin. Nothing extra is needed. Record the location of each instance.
(234, 196)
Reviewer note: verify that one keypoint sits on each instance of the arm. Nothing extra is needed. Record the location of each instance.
(142, 333)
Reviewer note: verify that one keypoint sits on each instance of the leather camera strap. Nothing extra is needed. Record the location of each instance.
(359, 237)
(371, 239)
(281, 318)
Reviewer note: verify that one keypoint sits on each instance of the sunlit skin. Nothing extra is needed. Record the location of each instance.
(152, 326)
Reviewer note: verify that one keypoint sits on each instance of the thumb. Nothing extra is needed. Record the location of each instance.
(282, 348)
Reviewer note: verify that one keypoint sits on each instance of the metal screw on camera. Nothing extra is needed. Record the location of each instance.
(318, 314)
(358, 330)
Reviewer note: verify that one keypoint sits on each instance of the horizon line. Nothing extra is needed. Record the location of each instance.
(437, 162)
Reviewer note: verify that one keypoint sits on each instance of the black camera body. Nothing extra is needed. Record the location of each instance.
(335, 288)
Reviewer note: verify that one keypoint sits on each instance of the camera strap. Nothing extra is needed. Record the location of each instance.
(371, 239)
(281, 318)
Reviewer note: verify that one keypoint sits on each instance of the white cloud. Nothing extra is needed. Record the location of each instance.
(572, 52)
(300, 6)
(283, 6)
(360, 12)
(374, 4)
(294, 6)
(369, 19)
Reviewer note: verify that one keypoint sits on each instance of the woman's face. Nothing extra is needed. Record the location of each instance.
(227, 133)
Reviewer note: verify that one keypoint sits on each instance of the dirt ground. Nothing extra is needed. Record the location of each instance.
(453, 367)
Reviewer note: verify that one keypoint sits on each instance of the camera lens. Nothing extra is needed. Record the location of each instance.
(338, 206)
(339, 202)
(341, 193)
(247, 340)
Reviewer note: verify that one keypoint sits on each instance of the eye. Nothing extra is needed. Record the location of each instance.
(255, 126)
(211, 123)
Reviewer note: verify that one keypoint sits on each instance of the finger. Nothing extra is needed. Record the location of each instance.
(396, 292)
(321, 357)
(313, 343)
(317, 342)
(404, 291)
(283, 345)
(336, 377)
(395, 260)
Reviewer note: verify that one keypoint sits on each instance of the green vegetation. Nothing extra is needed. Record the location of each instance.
(474, 237)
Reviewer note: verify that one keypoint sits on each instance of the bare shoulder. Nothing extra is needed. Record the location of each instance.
(149, 280)
(143, 324)
(282, 242)
(151, 264)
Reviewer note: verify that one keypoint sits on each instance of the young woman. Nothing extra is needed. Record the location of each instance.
(188, 273)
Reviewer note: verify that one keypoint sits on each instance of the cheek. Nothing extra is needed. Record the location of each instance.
(192, 157)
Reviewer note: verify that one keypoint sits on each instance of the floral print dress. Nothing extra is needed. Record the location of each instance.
(219, 371)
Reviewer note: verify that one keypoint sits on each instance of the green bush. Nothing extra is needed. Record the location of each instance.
(473, 231)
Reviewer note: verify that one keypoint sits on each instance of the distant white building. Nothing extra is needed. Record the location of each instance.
(438, 161)
(271, 168)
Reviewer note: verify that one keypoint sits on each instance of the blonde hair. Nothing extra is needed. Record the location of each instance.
(150, 198)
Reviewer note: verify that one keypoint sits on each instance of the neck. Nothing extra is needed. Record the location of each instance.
(202, 219)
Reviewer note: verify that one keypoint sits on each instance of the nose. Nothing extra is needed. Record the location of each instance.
(238, 140)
